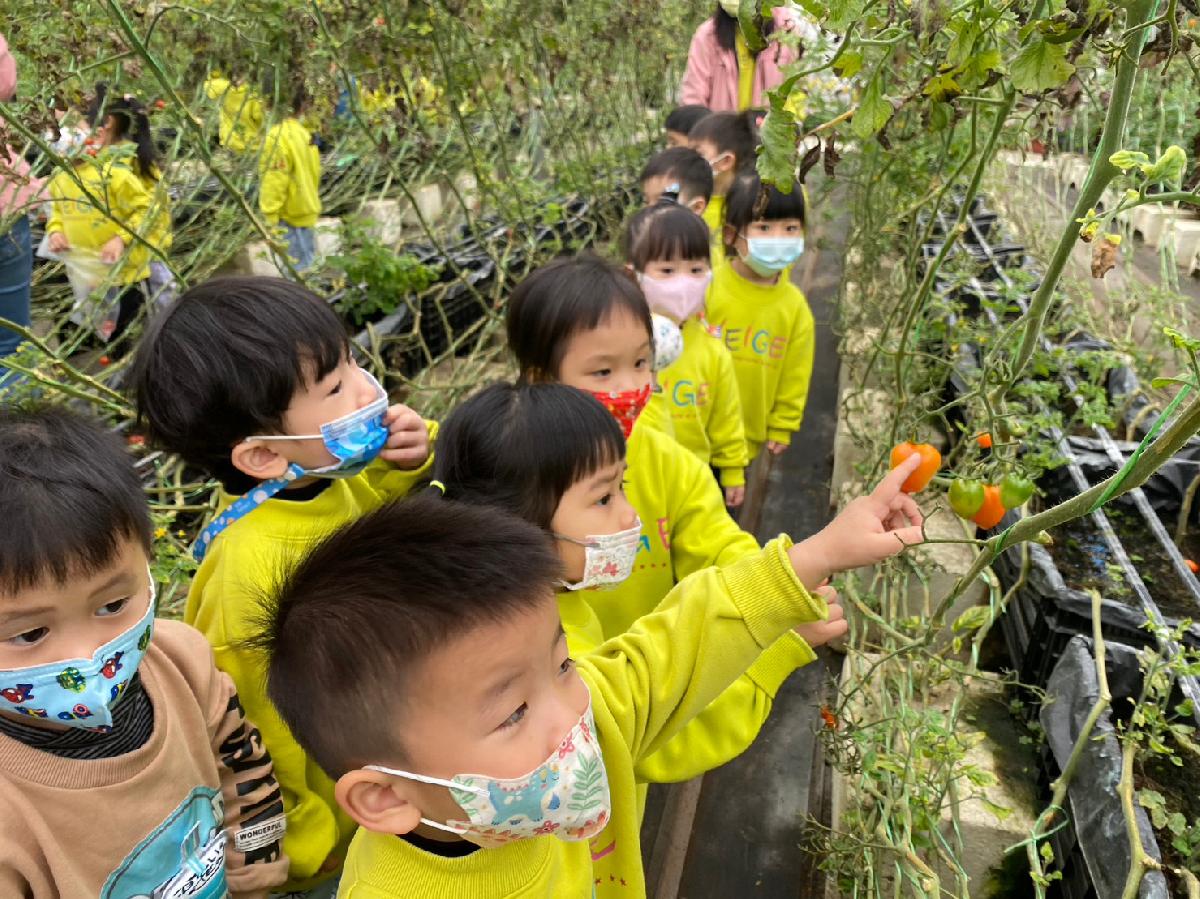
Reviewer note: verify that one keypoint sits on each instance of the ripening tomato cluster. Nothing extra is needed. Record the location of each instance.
(974, 500)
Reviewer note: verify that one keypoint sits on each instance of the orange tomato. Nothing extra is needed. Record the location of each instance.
(984, 440)
(992, 510)
(931, 461)
(829, 717)
(1192, 566)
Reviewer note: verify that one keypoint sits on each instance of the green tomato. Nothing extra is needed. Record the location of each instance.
(966, 498)
(1015, 490)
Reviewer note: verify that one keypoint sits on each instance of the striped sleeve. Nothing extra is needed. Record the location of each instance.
(254, 816)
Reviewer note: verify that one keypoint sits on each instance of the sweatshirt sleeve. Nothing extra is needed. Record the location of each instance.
(129, 202)
(784, 418)
(726, 430)
(54, 222)
(697, 78)
(274, 174)
(8, 71)
(727, 727)
(672, 663)
(254, 816)
(702, 533)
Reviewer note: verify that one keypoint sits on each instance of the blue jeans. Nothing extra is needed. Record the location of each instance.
(302, 246)
(16, 269)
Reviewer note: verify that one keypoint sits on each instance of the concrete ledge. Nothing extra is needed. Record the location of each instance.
(1153, 223)
(384, 219)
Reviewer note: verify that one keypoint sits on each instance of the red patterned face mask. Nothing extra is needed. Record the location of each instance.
(625, 406)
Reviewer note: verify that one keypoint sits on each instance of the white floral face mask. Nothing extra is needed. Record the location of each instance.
(566, 796)
(608, 558)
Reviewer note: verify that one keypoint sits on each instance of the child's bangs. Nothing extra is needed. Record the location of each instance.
(677, 234)
(783, 206)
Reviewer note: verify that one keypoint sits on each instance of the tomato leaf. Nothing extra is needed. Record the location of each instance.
(873, 110)
(777, 155)
(1040, 67)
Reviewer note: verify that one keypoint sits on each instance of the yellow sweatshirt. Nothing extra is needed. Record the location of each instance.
(714, 217)
(116, 202)
(769, 331)
(158, 217)
(646, 685)
(700, 392)
(685, 528)
(289, 176)
(243, 562)
(240, 111)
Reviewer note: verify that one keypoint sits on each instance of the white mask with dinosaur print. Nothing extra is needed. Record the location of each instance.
(566, 796)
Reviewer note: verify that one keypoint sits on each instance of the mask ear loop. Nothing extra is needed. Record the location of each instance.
(433, 781)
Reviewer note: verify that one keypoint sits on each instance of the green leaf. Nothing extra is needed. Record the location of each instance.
(1001, 812)
(849, 64)
(1040, 67)
(873, 110)
(1176, 823)
(777, 155)
(980, 66)
(973, 618)
(941, 88)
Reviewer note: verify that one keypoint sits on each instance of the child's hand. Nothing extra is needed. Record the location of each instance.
(408, 438)
(775, 448)
(734, 496)
(58, 242)
(870, 529)
(112, 250)
(818, 633)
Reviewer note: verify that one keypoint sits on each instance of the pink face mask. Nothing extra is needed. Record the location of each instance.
(678, 297)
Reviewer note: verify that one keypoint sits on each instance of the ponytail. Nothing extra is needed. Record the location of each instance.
(133, 124)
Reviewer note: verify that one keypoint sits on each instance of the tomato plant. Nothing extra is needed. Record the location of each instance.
(966, 498)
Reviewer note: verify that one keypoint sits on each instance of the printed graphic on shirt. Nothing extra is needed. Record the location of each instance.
(758, 341)
(184, 858)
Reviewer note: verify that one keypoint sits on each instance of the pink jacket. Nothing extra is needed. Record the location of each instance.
(711, 78)
(17, 189)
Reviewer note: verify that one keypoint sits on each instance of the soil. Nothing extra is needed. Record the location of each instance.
(1085, 562)
(1180, 786)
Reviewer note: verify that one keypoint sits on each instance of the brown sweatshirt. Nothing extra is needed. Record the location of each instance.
(195, 812)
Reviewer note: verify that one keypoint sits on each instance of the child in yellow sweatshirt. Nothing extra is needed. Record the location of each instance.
(763, 316)
(555, 457)
(289, 171)
(240, 112)
(251, 380)
(584, 322)
(112, 211)
(667, 246)
(727, 140)
(419, 657)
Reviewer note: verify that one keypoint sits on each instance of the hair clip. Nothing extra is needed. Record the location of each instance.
(670, 194)
(438, 486)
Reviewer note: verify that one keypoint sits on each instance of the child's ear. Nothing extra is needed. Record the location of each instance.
(730, 234)
(697, 205)
(256, 459)
(377, 801)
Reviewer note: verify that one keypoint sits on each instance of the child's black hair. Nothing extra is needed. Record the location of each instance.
(682, 119)
(729, 132)
(132, 123)
(224, 363)
(727, 28)
(568, 296)
(69, 495)
(684, 166)
(522, 446)
(663, 232)
(350, 624)
(748, 202)
(284, 87)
